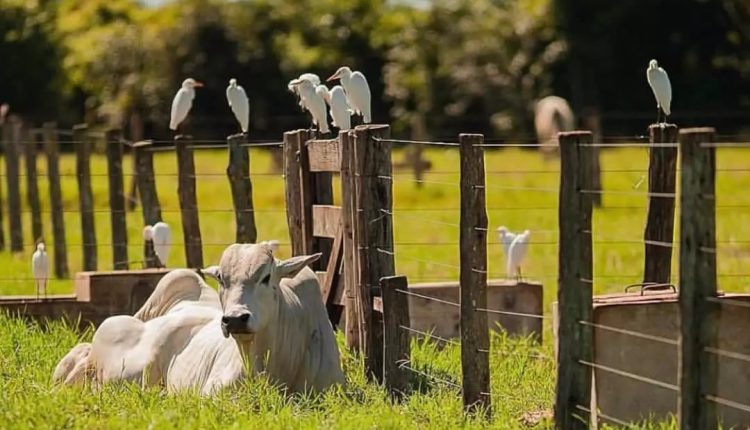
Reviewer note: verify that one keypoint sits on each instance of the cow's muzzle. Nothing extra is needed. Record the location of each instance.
(236, 324)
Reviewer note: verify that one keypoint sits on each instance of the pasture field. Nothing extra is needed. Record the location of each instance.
(521, 193)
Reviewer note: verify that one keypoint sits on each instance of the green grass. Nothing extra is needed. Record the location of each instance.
(426, 235)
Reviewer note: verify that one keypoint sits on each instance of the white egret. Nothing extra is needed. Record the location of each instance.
(239, 103)
(659, 81)
(162, 237)
(341, 115)
(313, 102)
(517, 253)
(357, 91)
(40, 268)
(506, 238)
(182, 102)
(312, 77)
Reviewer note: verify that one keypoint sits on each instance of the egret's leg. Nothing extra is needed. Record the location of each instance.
(36, 284)
(658, 113)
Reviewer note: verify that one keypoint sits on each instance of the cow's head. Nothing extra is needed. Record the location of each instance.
(249, 278)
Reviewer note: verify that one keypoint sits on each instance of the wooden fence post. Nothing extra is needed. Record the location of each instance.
(575, 281)
(56, 204)
(117, 199)
(662, 177)
(292, 188)
(348, 213)
(32, 187)
(475, 364)
(396, 339)
(82, 144)
(238, 172)
(374, 233)
(143, 158)
(188, 202)
(699, 319)
(11, 138)
(316, 189)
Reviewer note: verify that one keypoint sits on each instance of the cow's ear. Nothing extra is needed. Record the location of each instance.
(291, 266)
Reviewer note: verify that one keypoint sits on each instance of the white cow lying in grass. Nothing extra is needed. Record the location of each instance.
(186, 336)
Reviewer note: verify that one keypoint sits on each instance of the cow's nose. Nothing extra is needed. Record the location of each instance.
(236, 323)
(243, 318)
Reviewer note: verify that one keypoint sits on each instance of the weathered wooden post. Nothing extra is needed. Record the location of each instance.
(117, 199)
(662, 177)
(473, 276)
(56, 203)
(348, 213)
(374, 233)
(396, 339)
(575, 281)
(699, 317)
(82, 144)
(238, 172)
(292, 185)
(316, 189)
(32, 187)
(188, 202)
(11, 137)
(146, 182)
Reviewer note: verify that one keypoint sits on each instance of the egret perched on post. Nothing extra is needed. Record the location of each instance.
(162, 237)
(516, 254)
(40, 268)
(313, 102)
(239, 103)
(182, 102)
(312, 77)
(357, 91)
(659, 81)
(506, 238)
(341, 115)
(149, 255)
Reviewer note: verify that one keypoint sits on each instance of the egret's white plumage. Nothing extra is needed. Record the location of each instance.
(182, 102)
(40, 268)
(314, 102)
(516, 254)
(162, 237)
(239, 103)
(341, 115)
(506, 238)
(659, 81)
(312, 77)
(357, 91)
(148, 233)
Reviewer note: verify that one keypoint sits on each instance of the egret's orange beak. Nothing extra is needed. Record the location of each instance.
(335, 76)
(198, 84)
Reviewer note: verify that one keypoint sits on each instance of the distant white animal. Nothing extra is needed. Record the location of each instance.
(506, 238)
(268, 317)
(341, 115)
(162, 237)
(312, 77)
(659, 81)
(40, 268)
(239, 103)
(313, 102)
(552, 114)
(517, 253)
(182, 102)
(357, 91)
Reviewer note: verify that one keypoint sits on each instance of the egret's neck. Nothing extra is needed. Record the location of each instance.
(346, 78)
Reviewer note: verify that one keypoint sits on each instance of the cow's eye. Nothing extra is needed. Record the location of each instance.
(266, 279)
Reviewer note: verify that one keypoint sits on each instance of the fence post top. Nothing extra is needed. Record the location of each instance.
(662, 126)
(142, 143)
(698, 130)
(82, 126)
(574, 133)
(237, 137)
(371, 127)
(181, 137)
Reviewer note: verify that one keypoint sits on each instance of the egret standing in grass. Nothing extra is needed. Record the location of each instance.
(312, 77)
(239, 103)
(182, 102)
(517, 253)
(357, 91)
(659, 81)
(40, 268)
(313, 101)
(162, 237)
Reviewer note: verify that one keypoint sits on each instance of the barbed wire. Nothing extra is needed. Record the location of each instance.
(640, 378)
